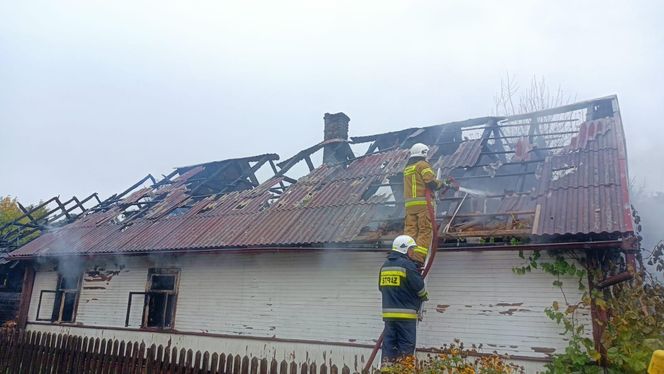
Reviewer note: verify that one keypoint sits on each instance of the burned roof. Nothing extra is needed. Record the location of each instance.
(542, 176)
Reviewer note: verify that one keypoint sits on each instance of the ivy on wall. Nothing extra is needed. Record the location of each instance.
(634, 309)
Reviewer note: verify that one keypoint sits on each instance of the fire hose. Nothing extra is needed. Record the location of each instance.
(427, 266)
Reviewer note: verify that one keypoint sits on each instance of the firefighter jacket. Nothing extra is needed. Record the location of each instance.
(402, 288)
(417, 177)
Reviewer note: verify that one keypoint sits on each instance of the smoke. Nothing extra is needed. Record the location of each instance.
(70, 266)
(650, 209)
(60, 252)
(330, 257)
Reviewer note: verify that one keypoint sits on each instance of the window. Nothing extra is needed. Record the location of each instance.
(160, 298)
(66, 298)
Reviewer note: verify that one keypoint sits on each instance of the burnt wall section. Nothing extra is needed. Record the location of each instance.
(8, 305)
(10, 291)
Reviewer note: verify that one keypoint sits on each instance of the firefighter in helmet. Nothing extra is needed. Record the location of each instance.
(403, 291)
(418, 177)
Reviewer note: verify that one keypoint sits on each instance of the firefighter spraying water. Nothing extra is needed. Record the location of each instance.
(401, 279)
(420, 179)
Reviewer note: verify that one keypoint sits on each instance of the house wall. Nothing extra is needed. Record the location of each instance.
(10, 291)
(319, 305)
(8, 305)
(45, 279)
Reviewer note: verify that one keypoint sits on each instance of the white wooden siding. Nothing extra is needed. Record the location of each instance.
(475, 297)
(328, 297)
(45, 279)
(316, 296)
(104, 297)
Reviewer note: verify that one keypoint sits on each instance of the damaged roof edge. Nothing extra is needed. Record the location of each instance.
(465, 123)
(602, 244)
(561, 109)
(269, 156)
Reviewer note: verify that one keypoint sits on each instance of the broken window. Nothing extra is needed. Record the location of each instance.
(160, 298)
(66, 298)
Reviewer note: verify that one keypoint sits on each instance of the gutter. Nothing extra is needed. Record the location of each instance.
(603, 244)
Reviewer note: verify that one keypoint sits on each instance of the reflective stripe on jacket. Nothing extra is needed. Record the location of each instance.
(402, 287)
(416, 176)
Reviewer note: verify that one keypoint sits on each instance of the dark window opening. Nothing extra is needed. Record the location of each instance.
(163, 282)
(4, 280)
(161, 298)
(66, 298)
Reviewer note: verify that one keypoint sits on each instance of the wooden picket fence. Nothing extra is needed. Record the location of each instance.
(34, 352)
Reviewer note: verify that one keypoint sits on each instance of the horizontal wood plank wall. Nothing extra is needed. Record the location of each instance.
(475, 297)
(45, 279)
(324, 297)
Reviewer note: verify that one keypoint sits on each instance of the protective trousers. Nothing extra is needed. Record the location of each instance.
(399, 340)
(418, 226)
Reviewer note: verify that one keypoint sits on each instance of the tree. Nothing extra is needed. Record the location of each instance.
(10, 211)
(511, 100)
(538, 95)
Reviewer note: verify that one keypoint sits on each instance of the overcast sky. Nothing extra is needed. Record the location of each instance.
(95, 95)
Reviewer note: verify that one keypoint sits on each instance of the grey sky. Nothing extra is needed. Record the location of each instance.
(94, 95)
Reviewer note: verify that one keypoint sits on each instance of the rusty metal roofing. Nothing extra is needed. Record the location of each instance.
(579, 190)
(465, 156)
(325, 206)
(584, 188)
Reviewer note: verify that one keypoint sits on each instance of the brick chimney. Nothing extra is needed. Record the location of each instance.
(336, 127)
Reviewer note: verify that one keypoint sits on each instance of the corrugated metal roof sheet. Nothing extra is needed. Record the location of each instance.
(466, 155)
(323, 207)
(584, 189)
(516, 203)
(594, 209)
(581, 190)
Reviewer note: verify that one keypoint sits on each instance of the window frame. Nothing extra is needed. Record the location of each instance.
(170, 294)
(61, 295)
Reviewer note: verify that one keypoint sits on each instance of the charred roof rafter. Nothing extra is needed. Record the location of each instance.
(527, 192)
(220, 177)
(214, 179)
(40, 217)
(338, 147)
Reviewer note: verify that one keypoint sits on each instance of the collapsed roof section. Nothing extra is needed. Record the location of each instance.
(34, 220)
(543, 176)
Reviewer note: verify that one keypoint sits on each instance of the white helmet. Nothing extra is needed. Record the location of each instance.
(419, 150)
(402, 243)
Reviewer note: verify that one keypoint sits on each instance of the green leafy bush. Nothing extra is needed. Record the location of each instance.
(634, 327)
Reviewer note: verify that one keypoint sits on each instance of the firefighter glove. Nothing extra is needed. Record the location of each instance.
(451, 183)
